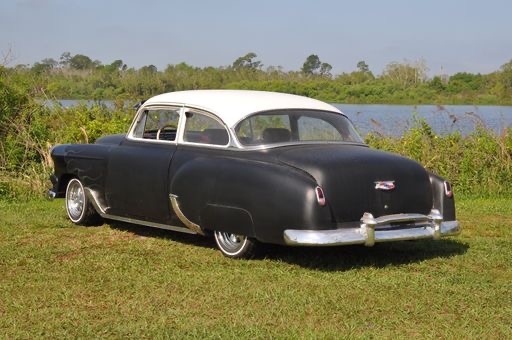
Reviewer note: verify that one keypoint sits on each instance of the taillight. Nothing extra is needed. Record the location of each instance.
(448, 189)
(320, 197)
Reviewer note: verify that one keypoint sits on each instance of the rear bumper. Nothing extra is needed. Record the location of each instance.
(50, 195)
(371, 230)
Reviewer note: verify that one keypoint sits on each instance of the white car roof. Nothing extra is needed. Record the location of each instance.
(233, 105)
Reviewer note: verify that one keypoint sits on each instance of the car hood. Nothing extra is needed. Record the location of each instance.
(348, 175)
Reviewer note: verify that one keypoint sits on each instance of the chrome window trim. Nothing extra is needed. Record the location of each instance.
(234, 143)
(287, 109)
(274, 145)
(140, 112)
(209, 114)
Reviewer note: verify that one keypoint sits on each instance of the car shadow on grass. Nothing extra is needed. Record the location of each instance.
(143, 231)
(381, 255)
(339, 258)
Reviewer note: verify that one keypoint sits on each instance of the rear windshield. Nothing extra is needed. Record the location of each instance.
(296, 126)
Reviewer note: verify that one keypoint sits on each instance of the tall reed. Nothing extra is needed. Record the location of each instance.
(477, 164)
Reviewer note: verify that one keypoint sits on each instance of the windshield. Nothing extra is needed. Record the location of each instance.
(295, 126)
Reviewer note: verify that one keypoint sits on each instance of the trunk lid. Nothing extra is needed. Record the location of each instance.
(348, 176)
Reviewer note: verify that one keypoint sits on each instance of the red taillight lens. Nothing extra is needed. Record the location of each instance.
(448, 189)
(320, 197)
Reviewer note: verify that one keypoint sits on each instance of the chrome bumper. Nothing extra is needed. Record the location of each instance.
(387, 228)
(50, 195)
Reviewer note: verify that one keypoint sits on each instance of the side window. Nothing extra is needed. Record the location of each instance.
(311, 129)
(200, 128)
(265, 129)
(159, 124)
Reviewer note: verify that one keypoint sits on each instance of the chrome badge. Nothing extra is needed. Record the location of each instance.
(384, 185)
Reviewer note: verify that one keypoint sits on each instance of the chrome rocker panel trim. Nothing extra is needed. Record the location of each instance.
(373, 230)
(102, 212)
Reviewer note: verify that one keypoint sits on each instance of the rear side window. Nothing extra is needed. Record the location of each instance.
(203, 129)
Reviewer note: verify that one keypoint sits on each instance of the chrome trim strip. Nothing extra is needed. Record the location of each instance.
(338, 111)
(181, 139)
(277, 145)
(152, 141)
(233, 144)
(397, 218)
(101, 210)
(140, 112)
(368, 233)
(191, 225)
(93, 196)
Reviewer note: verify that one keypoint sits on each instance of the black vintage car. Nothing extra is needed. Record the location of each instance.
(251, 167)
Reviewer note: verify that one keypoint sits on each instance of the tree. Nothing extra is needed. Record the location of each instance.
(81, 62)
(506, 75)
(437, 84)
(44, 65)
(116, 65)
(311, 65)
(362, 66)
(65, 58)
(463, 81)
(148, 70)
(246, 62)
(325, 70)
(406, 73)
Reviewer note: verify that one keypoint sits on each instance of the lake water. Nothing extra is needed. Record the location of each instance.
(395, 119)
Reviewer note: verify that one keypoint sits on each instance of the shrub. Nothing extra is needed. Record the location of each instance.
(25, 152)
(477, 164)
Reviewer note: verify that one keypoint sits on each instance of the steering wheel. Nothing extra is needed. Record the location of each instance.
(166, 126)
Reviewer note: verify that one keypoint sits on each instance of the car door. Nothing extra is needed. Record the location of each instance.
(138, 169)
(196, 164)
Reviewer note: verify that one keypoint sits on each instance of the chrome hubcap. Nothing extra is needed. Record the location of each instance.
(230, 242)
(75, 200)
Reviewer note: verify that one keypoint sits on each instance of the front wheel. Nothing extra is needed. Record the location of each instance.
(235, 246)
(78, 206)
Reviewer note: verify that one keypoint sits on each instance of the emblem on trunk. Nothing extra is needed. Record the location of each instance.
(384, 185)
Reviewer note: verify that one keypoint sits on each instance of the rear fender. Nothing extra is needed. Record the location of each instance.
(267, 197)
(227, 219)
(441, 201)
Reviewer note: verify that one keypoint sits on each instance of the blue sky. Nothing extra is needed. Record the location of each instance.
(451, 35)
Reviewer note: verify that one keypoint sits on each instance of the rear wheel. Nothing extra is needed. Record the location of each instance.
(78, 206)
(235, 246)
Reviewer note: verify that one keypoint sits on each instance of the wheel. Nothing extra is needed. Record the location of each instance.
(235, 246)
(78, 206)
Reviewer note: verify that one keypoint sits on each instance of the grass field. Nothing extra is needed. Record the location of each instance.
(58, 280)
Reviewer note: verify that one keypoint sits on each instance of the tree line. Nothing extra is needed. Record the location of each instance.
(28, 128)
(80, 77)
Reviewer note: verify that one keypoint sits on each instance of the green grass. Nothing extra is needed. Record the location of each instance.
(58, 280)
